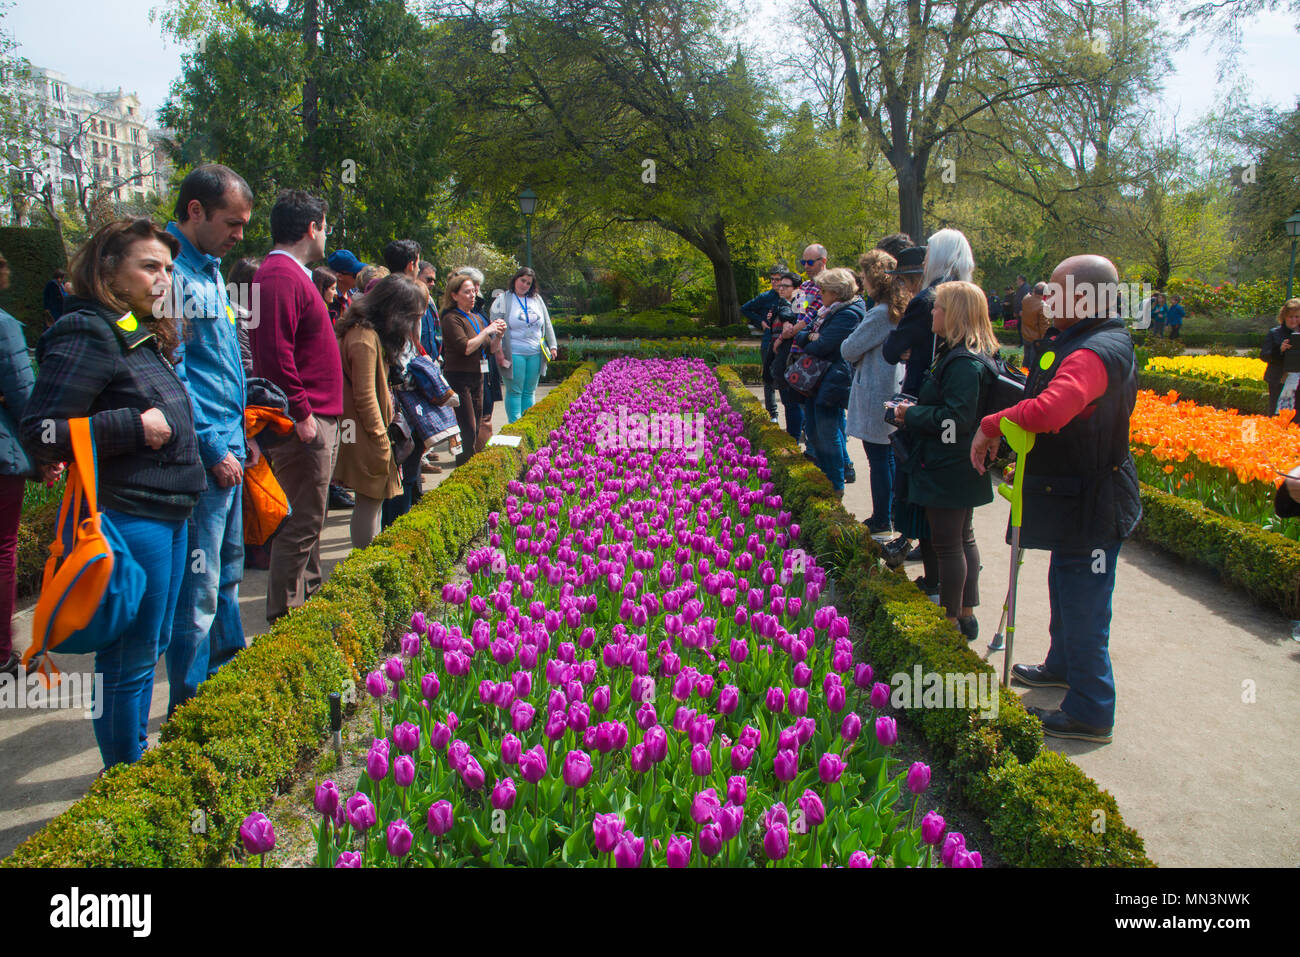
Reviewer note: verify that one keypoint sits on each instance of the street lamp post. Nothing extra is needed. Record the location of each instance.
(527, 206)
(1292, 230)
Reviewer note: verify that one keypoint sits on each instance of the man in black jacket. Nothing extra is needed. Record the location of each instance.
(1080, 487)
(756, 311)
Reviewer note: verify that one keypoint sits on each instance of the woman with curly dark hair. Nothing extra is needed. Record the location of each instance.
(109, 358)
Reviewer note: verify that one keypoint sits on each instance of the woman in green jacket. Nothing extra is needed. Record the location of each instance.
(942, 423)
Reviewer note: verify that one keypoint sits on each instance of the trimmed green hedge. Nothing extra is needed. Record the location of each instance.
(35, 532)
(1264, 564)
(1250, 401)
(629, 330)
(228, 750)
(1039, 806)
(33, 255)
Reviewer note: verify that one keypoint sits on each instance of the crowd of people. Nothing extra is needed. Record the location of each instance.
(902, 355)
(171, 364)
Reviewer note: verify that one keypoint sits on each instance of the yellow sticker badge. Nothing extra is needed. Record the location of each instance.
(1046, 361)
(128, 323)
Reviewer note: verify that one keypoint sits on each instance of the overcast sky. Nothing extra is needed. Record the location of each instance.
(103, 45)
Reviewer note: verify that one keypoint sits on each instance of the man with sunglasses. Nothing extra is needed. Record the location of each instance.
(758, 311)
(430, 331)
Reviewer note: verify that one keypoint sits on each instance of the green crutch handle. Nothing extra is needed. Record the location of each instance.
(1021, 441)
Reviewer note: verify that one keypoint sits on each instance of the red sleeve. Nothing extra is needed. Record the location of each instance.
(1079, 383)
(272, 340)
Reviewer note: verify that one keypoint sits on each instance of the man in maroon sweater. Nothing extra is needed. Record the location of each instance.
(293, 345)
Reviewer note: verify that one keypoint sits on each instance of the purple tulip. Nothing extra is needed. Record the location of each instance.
(679, 851)
(952, 843)
(932, 828)
(327, 799)
(710, 840)
(964, 858)
(879, 695)
(886, 731)
(728, 699)
(787, 740)
(457, 754)
(577, 769)
(739, 648)
(776, 814)
(503, 794)
(737, 789)
(775, 700)
(377, 763)
(814, 812)
(361, 813)
(750, 736)
(607, 828)
(349, 859)
(862, 675)
(532, 764)
(441, 818)
(802, 675)
(851, 727)
(786, 765)
(860, 859)
(741, 757)
(403, 771)
(407, 737)
(918, 777)
(776, 842)
(257, 833)
(836, 698)
(798, 702)
(656, 744)
(395, 670)
(701, 761)
(376, 686)
(439, 736)
(472, 775)
(729, 819)
(703, 805)
(600, 699)
(629, 851)
(399, 838)
(830, 767)
(430, 686)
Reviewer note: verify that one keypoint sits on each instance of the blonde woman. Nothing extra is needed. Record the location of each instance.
(941, 424)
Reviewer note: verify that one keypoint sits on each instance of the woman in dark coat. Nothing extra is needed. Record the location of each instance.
(109, 358)
(842, 310)
(941, 423)
(1274, 351)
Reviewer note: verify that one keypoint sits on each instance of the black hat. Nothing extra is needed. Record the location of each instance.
(910, 260)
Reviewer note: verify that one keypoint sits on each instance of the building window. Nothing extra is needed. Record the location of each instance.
(112, 130)
(114, 151)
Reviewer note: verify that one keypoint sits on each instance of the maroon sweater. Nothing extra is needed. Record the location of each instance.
(293, 341)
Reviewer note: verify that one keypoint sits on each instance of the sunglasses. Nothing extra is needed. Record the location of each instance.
(809, 262)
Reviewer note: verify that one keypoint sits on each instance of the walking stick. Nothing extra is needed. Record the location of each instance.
(1021, 442)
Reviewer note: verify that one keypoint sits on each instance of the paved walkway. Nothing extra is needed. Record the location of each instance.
(1203, 763)
(48, 758)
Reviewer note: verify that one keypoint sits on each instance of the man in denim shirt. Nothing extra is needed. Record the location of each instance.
(212, 210)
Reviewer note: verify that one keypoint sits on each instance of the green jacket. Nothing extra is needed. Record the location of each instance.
(940, 427)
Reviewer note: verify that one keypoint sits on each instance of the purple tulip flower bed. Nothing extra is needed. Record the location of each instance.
(640, 671)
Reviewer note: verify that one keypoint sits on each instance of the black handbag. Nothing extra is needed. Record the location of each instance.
(804, 373)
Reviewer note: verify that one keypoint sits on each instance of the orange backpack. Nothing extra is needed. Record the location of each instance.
(92, 587)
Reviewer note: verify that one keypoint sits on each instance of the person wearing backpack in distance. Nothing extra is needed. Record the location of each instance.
(1081, 496)
(109, 358)
(942, 423)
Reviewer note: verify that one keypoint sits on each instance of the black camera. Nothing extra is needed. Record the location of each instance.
(893, 403)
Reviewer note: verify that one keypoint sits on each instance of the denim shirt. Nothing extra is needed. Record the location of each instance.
(208, 359)
(431, 331)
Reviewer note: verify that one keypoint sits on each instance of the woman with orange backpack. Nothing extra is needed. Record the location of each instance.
(109, 359)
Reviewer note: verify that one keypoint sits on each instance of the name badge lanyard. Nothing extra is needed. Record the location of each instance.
(469, 317)
(523, 304)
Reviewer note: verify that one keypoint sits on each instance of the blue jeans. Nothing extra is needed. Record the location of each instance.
(521, 389)
(128, 664)
(825, 427)
(411, 493)
(208, 631)
(1079, 590)
(880, 460)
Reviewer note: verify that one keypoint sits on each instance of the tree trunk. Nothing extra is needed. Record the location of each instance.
(911, 192)
(715, 246)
